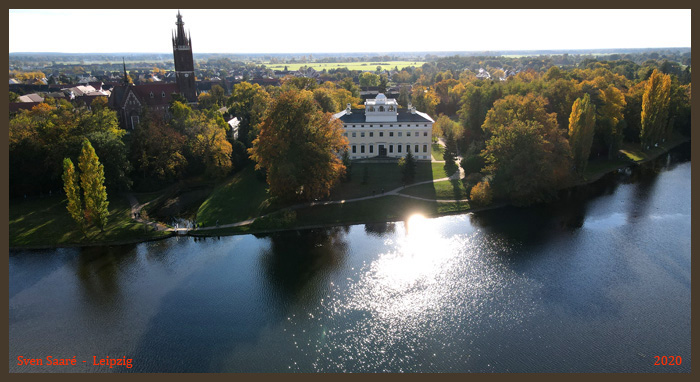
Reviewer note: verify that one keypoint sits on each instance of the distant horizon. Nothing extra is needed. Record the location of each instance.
(316, 31)
(593, 50)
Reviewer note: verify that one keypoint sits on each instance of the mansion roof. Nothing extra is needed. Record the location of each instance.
(404, 115)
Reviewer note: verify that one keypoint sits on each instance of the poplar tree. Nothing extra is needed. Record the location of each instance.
(72, 189)
(655, 104)
(92, 181)
(581, 131)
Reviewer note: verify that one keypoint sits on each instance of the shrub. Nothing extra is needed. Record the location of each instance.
(481, 194)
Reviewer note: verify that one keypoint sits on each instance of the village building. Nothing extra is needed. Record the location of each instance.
(384, 130)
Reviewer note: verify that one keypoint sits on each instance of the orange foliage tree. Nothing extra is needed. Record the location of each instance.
(299, 147)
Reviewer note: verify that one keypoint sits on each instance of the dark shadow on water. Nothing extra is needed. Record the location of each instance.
(99, 272)
(380, 229)
(298, 262)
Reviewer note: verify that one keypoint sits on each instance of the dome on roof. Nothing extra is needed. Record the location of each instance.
(381, 96)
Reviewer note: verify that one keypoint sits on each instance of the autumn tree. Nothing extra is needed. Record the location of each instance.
(71, 186)
(581, 130)
(424, 99)
(609, 118)
(444, 126)
(481, 194)
(655, 104)
(92, 180)
(300, 148)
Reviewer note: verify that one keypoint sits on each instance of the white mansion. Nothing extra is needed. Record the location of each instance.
(384, 130)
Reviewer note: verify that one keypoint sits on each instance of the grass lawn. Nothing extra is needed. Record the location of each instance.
(438, 151)
(45, 221)
(366, 65)
(439, 172)
(240, 198)
(379, 176)
(448, 190)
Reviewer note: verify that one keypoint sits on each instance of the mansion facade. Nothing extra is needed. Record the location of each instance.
(383, 130)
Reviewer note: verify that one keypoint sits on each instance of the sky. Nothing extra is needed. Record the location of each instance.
(350, 30)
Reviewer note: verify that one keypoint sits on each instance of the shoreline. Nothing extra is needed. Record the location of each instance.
(232, 232)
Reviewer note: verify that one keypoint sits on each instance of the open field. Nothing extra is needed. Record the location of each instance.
(364, 66)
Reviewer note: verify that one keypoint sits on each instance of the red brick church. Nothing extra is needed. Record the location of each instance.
(129, 99)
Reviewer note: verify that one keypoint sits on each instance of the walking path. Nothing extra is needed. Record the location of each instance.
(136, 207)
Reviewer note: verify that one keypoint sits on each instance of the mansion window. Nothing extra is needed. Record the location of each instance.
(399, 135)
(371, 133)
(408, 134)
(371, 149)
(391, 148)
(408, 148)
(353, 135)
(381, 133)
(354, 149)
(362, 149)
(425, 148)
(398, 148)
(416, 149)
(425, 133)
(362, 134)
(345, 134)
(391, 133)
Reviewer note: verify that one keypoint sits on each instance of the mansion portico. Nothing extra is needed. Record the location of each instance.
(384, 130)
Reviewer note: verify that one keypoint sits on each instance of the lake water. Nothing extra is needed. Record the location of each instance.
(596, 282)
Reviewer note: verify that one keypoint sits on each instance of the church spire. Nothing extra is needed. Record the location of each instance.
(126, 77)
(180, 37)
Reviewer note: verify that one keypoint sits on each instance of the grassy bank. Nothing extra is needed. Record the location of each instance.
(242, 197)
(46, 222)
(446, 189)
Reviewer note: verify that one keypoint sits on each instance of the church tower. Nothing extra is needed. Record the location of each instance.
(184, 63)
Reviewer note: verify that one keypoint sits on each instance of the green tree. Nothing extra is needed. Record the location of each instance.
(248, 102)
(300, 147)
(92, 180)
(581, 130)
(655, 105)
(522, 163)
(369, 79)
(72, 188)
(407, 166)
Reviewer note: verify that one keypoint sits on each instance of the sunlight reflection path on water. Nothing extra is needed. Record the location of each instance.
(424, 294)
